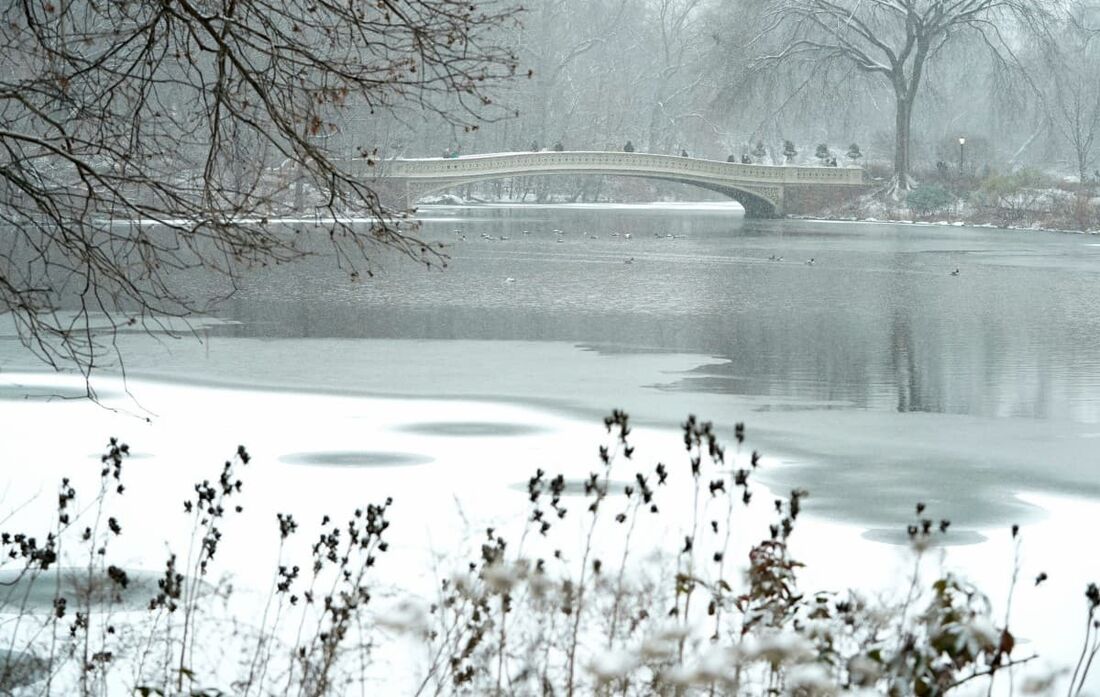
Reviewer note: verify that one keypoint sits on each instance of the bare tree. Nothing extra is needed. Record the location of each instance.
(561, 33)
(676, 76)
(1074, 97)
(893, 41)
(142, 139)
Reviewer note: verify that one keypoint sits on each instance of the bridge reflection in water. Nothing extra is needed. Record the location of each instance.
(763, 190)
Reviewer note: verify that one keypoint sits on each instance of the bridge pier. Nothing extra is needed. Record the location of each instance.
(756, 210)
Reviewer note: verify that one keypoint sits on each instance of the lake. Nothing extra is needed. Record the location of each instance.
(874, 377)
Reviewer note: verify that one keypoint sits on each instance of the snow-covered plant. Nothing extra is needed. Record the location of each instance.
(627, 583)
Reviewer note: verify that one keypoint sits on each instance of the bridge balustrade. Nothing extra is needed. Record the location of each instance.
(764, 190)
(533, 163)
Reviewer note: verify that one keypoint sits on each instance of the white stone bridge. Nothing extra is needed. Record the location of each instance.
(763, 190)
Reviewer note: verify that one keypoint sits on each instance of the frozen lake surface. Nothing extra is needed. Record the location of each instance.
(873, 378)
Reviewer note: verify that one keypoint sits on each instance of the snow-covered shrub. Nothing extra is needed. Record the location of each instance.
(929, 200)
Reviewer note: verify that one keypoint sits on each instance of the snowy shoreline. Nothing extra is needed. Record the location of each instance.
(451, 201)
(939, 223)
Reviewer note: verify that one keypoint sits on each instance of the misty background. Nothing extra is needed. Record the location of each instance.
(675, 75)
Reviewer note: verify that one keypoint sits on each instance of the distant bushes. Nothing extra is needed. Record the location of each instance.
(1024, 198)
(1011, 198)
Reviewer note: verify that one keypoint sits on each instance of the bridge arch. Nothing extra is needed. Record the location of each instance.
(755, 205)
(764, 190)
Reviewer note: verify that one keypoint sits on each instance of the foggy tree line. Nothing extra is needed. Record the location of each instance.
(1019, 80)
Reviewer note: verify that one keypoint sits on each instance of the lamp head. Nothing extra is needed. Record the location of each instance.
(962, 141)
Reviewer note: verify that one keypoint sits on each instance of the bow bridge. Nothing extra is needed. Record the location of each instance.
(763, 190)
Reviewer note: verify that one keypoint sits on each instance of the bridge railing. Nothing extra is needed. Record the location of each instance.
(608, 162)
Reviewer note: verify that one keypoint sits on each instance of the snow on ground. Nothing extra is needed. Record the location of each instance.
(453, 467)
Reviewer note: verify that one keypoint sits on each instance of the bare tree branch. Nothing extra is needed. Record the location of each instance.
(141, 140)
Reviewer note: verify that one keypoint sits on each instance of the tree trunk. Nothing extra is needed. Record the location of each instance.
(902, 141)
(1081, 212)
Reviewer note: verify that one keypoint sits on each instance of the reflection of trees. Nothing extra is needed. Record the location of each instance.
(977, 358)
(892, 337)
(902, 362)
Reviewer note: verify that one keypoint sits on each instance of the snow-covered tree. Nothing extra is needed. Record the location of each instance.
(1074, 94)
(893, 41)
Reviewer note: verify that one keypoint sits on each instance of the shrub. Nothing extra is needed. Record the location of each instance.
(929, 200)
(1012, 197)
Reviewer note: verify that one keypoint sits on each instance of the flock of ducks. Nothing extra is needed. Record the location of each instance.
(461, 236)
(560, 237)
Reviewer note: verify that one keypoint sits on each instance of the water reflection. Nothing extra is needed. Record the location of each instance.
(583, 487)
(356, 459)
(20, 669)
(23, 591)
(878, 322)
(952, 538)
(470, 429)
(880, 377)
(47, 393)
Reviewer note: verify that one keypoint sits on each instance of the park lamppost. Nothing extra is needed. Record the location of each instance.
(962, 152)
